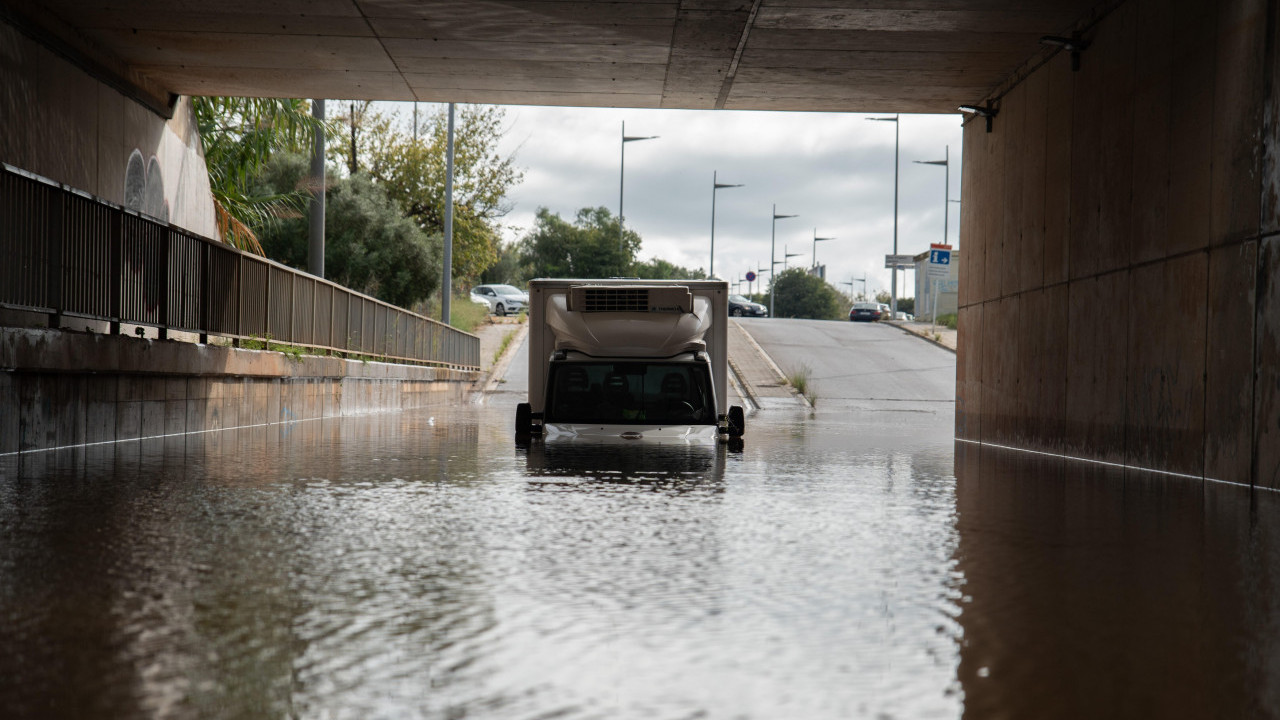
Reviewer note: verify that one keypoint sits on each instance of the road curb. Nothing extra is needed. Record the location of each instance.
(739, 381)
(773, 367)
(926, 338)
(499, 369)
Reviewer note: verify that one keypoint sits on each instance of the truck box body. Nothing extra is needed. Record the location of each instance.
(660, 344)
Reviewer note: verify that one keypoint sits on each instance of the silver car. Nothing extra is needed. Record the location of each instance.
(502, 299)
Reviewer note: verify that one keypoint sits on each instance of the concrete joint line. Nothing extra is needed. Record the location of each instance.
(1122, 466)
(727, 84)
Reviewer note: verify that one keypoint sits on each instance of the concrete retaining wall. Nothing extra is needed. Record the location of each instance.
(61, 389)
(1120, 229)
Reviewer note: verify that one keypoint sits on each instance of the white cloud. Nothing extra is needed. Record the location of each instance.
(833, 170)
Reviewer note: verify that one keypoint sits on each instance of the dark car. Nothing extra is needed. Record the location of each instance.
(739, 306)
(865, 311)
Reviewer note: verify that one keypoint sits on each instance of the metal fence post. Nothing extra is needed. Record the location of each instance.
(203, 298)
(239, 300)
(53, 237)
(117, 269)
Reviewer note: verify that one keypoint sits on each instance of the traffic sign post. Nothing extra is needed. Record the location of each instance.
(939, 268)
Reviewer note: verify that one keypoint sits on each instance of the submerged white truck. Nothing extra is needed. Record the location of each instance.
(629, 359)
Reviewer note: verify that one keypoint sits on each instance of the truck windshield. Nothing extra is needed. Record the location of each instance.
(649, 393)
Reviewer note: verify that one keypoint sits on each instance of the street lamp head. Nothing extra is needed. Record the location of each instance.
(932, 162)
(892, 119)
(634, 138)
(818, 239)
(989, 112)
(776, 216)
(718, 186)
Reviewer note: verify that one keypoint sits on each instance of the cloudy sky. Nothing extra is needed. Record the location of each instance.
(834, 171)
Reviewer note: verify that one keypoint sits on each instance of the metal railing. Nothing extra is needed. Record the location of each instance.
(64, 252)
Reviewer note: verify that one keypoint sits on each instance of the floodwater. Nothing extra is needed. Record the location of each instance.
(422, 565)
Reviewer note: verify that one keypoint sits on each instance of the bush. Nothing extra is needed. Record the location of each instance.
(949, 320)
(801, 295)
(466, 315)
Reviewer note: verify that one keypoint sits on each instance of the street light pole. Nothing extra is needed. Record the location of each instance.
(945, 163)
(711, 267)
(817, 240)
(773, 245)
(786, 256)
(622, 174)
(893, 286)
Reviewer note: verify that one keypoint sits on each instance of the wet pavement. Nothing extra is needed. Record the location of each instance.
(851, 561)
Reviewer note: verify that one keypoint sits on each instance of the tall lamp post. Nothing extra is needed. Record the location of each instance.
(786, 257)
(893, 285)
(817, 240)
(945, 163)
(773, 244)
(946, 194)
(622, 172)
(711, 267)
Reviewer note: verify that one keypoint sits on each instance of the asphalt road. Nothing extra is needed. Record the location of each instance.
(863, 366)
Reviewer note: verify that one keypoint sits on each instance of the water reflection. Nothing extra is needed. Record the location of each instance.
(672, 466)
(419, 566)
(1095, 592)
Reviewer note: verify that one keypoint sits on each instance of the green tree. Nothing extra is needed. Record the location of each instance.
(240, 136)
(587, 248)
(659, 269)
(801, 295)
(370, 246)
(412, 170)
(508, 269)
(883, 297)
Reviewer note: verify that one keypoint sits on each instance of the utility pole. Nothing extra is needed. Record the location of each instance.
(315, 229)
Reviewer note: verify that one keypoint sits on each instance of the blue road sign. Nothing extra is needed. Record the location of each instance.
(940, 257)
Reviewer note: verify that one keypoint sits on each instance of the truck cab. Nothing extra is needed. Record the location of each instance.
(628, 359)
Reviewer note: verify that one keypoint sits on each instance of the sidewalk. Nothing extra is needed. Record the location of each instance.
(491, 335)
(939, 335)
(760, 378)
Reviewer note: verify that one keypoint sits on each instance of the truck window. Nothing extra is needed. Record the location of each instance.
(649, 393)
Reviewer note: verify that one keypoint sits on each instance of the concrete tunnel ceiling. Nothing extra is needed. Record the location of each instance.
(805, 55)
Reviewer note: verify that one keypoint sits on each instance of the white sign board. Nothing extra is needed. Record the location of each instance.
(939, 263)
(899, 261)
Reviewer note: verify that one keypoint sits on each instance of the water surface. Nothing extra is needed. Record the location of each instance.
(422, 565)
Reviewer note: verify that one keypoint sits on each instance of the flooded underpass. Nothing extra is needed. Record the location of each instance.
(848, 562)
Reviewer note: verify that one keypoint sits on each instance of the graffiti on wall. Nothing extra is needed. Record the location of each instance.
(144, 192)
(144, 187)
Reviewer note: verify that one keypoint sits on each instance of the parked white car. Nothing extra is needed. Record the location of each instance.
(502, 299)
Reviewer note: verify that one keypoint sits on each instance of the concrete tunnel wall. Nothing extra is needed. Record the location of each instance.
(60, 122)
(1121, 231)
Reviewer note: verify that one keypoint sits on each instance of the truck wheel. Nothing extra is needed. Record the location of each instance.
(524, 419)
(737, 421)
(501, 310)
